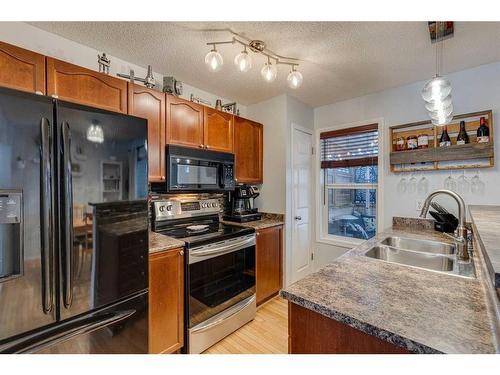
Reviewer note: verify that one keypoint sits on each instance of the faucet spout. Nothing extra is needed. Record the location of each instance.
(461, 231)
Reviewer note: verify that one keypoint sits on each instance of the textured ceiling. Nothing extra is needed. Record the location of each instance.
(340, 60)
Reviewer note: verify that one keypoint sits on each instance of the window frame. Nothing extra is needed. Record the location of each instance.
(322, 235)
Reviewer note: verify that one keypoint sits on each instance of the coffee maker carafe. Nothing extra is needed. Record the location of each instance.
(241, 204)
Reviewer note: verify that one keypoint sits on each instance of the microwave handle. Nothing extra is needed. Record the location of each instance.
(222, 175)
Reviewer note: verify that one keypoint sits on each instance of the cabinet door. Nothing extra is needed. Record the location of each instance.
(166, 301)
(248, 146)
(76, 84)
(268, 259)
(184, 122)
(218, 130)
(21, 69)
(150, 104)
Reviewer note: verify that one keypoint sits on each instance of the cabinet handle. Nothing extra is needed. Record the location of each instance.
(181, 252)
(162, 177)
(206, 146)
(200, 146)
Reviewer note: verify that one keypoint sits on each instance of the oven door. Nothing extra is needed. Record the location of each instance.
(220, 275)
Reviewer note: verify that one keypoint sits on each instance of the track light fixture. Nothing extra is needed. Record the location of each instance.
(243, 60)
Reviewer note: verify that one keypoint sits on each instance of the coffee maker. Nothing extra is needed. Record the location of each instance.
(241, 204)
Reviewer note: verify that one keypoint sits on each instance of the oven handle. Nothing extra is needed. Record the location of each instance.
(226, 247)
(224, 316)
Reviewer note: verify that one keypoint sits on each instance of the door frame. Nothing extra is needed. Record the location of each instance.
(290, 203)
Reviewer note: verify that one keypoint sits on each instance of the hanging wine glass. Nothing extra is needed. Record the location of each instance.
(423, 185)
(412, 184)
(463, 185)
(402, 185)
(450, 183)
(477, 186)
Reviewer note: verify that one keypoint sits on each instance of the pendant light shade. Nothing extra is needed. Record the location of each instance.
(243, 61)
(269, 71)
(437, 105)
(294, 79)
(436, 89)
(214, 61)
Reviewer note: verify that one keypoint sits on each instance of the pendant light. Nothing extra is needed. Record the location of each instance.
(214, 60)
(294, 78)
(437, 92)
(269, 71)
(243, 61)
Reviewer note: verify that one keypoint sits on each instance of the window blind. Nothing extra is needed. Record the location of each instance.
(350, 147)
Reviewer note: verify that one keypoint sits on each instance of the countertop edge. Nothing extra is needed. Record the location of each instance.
(495, 274)
(159, 243)
(392, 338)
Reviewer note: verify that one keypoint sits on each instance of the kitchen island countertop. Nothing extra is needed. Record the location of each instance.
(419, 310)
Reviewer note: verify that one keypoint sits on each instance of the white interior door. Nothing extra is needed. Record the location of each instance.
(302, 204)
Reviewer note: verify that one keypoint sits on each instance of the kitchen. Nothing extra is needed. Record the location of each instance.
(146, 215)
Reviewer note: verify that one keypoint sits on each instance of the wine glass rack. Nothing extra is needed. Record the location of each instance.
(470, 155)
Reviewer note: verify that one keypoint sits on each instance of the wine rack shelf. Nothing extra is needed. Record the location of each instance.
(471, 155)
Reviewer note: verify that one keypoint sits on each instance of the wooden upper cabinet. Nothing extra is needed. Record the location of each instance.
(76, 84)
(166, 301)
(269, 270)
(218, 130)
(21, 69)
(248, 151)
(150, 104)
(184, 122)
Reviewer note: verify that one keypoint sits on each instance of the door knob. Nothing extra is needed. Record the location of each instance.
(298, 217)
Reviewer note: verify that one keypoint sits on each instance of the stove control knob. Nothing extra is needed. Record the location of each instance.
(169, 207)
(214, 204)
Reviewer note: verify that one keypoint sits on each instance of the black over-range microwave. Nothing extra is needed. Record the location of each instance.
(189, 170)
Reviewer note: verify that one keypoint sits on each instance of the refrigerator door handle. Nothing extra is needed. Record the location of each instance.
(37, 342)
(47, 239)
(67, 265)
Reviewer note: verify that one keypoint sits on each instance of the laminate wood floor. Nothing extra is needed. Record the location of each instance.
(266, 334)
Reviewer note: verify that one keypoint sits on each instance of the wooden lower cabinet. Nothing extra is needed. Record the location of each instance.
(313, 333)
(166, 301)
(269, 259)
(21, 69)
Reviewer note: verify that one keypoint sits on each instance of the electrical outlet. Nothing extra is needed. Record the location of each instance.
(418, 205)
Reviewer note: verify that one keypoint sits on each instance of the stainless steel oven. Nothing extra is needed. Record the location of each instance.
(221, 290)
(191, 170)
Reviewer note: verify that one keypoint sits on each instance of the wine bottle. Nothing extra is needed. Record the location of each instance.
(462, 137)
(445, 140)
(483, 132)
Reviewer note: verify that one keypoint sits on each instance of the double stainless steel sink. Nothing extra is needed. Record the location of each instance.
(425, 254)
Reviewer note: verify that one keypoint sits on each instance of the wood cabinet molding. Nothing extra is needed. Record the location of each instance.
(166, 301)
(151, 105)
(184, 122)
(80, 85)
(218, 130)
(269, 263)
(21, 69)
(248, 151)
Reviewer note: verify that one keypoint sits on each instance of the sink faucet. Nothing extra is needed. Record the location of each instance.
(461, 231)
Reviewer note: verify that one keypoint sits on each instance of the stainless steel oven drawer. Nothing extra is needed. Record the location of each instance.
(211, 331)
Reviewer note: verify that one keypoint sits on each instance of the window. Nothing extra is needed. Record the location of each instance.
(349, 159)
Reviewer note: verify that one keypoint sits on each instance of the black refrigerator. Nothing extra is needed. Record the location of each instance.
(73, 228)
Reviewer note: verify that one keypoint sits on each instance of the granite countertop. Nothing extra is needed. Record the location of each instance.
(268, 220)
(419, 310)
(159, 242)
(486, 223)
